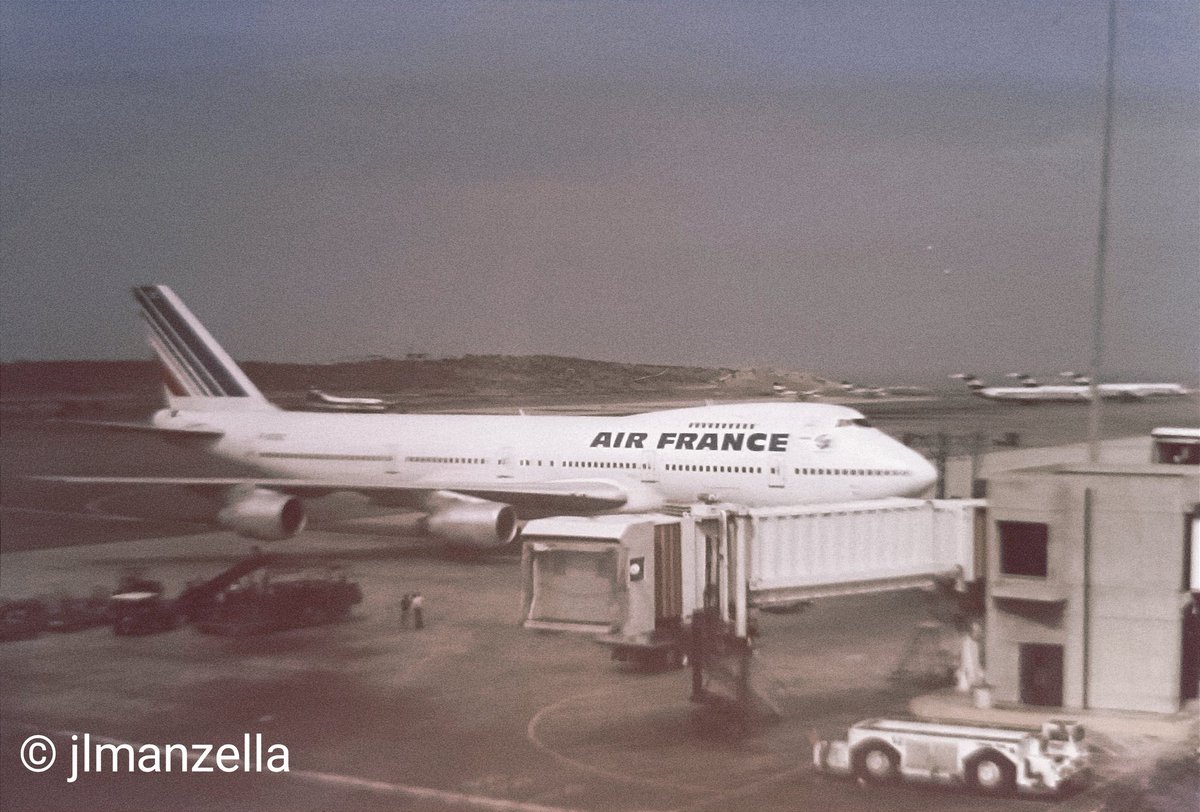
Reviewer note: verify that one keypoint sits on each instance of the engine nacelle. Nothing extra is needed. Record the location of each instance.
(263, 514)
(478, 524)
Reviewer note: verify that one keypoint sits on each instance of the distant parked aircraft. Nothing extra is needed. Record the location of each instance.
(1028, 392)
(779, 390)
(1031, 391)
(1134, 391)
(347, 404)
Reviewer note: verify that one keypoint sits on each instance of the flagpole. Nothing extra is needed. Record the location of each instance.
(1101, 246)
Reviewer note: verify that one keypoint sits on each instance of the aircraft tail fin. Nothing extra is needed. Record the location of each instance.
(973, 383)
(1076, 378)
(1025, 379)
(197, 373)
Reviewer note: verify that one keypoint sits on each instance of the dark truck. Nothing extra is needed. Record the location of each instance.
(247, 598)
(272, 602)
(138, 606)
(71, 614)
(21, 619)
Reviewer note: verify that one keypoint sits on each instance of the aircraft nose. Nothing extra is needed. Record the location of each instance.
(924, 472)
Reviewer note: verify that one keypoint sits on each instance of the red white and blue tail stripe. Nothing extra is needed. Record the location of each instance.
(196, 370)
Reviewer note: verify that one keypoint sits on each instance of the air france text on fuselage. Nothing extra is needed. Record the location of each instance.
(694, 441)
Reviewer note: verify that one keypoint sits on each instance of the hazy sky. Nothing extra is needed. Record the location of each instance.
(879, 189)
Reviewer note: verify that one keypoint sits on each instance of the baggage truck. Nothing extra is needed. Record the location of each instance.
(988, 759)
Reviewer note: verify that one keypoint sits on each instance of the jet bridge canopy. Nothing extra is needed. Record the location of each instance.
(799, 553)
(606, 574)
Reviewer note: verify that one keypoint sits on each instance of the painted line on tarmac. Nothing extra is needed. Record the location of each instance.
(746, 789)
(1092, 799)
(101, 517)
(454, 799)
(531, 734)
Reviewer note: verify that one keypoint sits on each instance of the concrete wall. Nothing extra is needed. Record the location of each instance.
(1132, 602)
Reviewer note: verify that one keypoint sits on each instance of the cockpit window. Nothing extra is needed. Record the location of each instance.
(854, 421)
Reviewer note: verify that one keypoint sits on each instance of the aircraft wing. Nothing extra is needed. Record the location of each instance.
(198, 431)
(581, 495)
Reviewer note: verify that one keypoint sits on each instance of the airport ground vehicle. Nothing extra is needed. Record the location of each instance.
(196, 601)
(20, 620)
(991, 760)
(256, 606)
(246, 598)
(142, 612)
(71, 614)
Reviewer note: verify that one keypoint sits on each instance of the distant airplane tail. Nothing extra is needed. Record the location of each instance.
(973, 383)
(1026, 380)
(197, 373)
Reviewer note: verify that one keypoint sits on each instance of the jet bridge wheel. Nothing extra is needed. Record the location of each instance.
(877, 762)
(992, 773)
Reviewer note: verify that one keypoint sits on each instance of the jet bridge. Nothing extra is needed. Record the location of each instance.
(658, 589)
(621, 574)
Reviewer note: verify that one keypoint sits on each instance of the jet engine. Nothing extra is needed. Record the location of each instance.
(474, 523)
(263, 514)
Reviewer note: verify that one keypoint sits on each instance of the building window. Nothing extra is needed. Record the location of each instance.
(1024, 548)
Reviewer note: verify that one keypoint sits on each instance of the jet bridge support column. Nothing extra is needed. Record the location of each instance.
(721, 651)
(738, 527)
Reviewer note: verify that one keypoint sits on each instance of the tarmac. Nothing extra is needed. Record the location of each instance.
(474, 712)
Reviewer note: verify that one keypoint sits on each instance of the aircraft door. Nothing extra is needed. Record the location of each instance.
(648, 472)
(777, 471)
(507, 459)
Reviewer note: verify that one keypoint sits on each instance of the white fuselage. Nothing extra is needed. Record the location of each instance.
(1063, 392)
(346, 403)
(1077, 392)
(1142, 390)
(750, 453)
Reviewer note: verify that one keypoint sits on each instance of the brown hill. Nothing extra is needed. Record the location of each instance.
(83, 387)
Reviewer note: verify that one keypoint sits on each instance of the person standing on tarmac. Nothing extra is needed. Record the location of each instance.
(405, 605)
(418, 610)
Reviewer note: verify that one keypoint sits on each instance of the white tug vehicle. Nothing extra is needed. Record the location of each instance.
(991, 760)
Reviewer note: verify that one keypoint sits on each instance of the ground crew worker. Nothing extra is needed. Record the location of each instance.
(418, 607)
(405, 605)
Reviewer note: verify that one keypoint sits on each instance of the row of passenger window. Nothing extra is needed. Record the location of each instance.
(586, 464)
(722, 425)
(295, 455)
(851, 472)
(449, 460)
(718, 469)
(721, 469)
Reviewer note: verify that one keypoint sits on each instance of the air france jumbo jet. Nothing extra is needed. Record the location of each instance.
(474, 477)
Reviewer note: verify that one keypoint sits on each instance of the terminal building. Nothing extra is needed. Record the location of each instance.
(1092, 571)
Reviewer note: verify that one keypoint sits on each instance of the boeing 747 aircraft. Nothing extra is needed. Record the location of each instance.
(474, 477)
